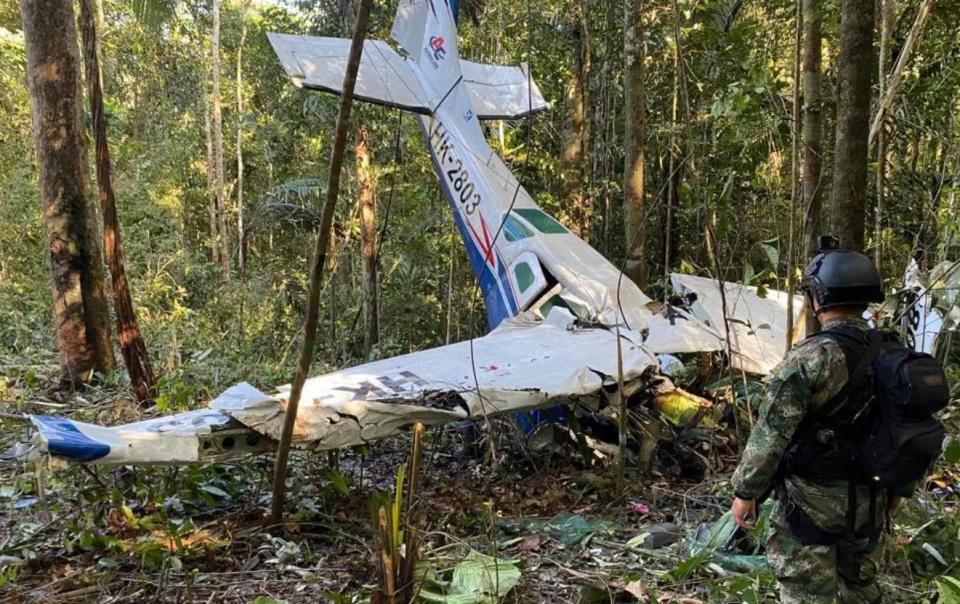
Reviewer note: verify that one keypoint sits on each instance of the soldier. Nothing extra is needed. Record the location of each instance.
(822, 539)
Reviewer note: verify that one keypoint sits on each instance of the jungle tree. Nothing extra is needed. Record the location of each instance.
(76, 264)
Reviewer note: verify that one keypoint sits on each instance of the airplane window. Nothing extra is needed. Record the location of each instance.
(554, 301)
(514, 230)
(540, 220)
(524, 275)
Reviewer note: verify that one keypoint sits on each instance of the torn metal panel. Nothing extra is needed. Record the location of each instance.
(758, 325)
(675, 331)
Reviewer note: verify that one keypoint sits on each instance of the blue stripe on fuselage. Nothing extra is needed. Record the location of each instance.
(497, 293)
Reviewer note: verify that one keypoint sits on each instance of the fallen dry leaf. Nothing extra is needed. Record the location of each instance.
(635, 589)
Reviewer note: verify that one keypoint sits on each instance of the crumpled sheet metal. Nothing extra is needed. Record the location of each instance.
(674, 331)
(524, 364)
(519, 366)
(758, 326)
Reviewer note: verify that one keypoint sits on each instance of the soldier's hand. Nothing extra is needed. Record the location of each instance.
(744, 511)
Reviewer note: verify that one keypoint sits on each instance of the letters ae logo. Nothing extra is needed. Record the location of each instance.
(436, 51)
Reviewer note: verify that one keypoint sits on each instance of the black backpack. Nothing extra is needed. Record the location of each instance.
(880, 429)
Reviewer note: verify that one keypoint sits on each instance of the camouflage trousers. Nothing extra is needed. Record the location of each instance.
(817, 574)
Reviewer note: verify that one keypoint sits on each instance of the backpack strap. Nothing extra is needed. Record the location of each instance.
(859, 354)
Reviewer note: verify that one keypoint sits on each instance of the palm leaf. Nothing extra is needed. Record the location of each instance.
(153, 13)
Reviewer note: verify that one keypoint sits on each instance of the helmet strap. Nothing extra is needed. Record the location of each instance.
(812, 301)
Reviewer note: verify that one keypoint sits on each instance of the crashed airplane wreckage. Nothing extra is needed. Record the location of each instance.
(555, 305)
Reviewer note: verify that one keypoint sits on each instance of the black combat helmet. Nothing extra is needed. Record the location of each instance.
(842, 278)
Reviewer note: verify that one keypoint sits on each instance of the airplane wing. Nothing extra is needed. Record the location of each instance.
(758, 326)
(524, 364)
(317, 63)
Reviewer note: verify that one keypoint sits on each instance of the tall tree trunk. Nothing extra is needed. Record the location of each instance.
(887, 9)
(53, 78)
(211, 183)
(606, 126)
(223, 254)
(577, 135)
(795, 184)
(672, 226)
(855, 67)
(367, 201)
(634, 134)
(812, 123)
(241, 239)
(132, 346)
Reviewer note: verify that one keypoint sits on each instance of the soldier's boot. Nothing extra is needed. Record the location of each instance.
(857, 565)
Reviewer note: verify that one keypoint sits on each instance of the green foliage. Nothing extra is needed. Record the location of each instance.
(478, 579)
(949, 589)
(268, 600)
(951, 452)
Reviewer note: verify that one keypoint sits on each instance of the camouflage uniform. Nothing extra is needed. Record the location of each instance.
(812, 373)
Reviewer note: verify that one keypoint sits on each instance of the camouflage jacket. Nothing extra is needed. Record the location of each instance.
(811, 374)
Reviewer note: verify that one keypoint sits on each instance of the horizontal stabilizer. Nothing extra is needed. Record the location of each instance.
(501, 92)
(319, 63)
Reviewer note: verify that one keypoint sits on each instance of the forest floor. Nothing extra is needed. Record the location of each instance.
(559, 530)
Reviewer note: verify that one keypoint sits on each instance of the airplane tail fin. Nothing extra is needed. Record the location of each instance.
(427, 31)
